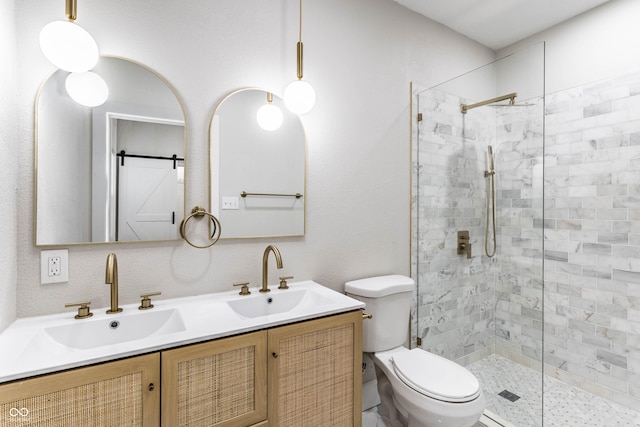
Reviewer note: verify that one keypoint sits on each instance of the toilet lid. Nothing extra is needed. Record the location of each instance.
(435, 376)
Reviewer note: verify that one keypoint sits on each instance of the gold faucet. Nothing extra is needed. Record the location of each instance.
(111, 278)
(265, 265)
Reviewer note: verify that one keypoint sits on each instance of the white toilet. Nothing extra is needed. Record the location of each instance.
(417, 388)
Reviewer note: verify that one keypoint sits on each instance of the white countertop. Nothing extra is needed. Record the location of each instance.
(28, 347)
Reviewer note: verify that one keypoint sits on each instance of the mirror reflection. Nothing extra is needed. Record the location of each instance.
(258, 165)
(112, 173)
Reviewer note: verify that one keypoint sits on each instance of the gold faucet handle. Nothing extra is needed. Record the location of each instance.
(244, 288)
(83, 309)
(145, 302)
(283, 282)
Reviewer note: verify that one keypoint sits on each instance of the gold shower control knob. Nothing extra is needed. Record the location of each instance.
(464, 245)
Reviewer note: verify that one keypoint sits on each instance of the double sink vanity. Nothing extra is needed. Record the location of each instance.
(284, 357)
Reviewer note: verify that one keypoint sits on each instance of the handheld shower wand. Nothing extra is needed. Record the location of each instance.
(491, 203)
(490, 158)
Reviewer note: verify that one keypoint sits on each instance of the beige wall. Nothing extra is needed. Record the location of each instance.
(599, 44)
(8, 149)
(359, 54)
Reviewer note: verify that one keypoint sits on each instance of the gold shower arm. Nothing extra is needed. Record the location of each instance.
(511, 96)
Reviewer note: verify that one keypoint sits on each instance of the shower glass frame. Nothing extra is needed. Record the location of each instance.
(469, 309)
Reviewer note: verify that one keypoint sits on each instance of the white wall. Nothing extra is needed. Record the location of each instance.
(8, 149)
(64, 192)
(599, 44)
(360, 56)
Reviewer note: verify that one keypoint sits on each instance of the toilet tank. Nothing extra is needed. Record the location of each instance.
(388, 300)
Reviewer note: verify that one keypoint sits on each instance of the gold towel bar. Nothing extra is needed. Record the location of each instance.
(245, 194)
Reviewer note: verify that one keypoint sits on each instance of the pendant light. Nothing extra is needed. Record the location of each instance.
(87, 88)
(67, 45)
(70, 47)
(269, 116)
(299, 96)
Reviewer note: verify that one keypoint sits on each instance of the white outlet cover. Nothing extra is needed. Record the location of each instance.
(230, 203)
(64, 266)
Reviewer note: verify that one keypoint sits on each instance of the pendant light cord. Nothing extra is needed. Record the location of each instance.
(300, 28)
(299, 48)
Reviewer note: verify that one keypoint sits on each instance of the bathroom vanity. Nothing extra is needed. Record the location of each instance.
(293, 369)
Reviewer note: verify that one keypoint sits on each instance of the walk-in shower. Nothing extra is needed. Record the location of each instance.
(547, 188)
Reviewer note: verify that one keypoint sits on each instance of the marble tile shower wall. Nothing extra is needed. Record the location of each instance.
(592, 238)
(455, 301)
(470, 308)
(519, 210)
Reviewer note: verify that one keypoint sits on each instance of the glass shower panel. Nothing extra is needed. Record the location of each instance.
(484, 312)
(592, 251)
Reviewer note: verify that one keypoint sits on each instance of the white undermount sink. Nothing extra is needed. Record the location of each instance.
(114, 329)
(276, 302)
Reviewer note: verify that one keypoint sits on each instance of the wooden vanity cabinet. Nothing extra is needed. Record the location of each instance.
(124, 392)
(315, 372)
(219, 383)
(303, 374)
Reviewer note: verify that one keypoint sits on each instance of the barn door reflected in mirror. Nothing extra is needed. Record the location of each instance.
(149, 182)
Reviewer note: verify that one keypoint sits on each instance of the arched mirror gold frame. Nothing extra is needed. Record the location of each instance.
(112, 173)
(257, 176)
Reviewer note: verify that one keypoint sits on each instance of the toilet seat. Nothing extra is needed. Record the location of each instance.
(435, 377)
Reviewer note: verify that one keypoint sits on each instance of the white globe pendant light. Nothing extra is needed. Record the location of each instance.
(299, 96)
(67, 45)
(87, 88)
(269, 116)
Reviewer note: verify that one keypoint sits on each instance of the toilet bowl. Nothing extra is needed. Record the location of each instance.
(428, 390)
(416, 388)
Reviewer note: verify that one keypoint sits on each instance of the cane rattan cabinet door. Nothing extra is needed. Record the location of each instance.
(315, 372)
(217, 383)
(120, 393)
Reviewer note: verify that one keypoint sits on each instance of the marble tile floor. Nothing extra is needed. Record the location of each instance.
(564, 405)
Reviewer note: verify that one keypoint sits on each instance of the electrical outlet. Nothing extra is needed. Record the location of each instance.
(54, 266)
(229, 203)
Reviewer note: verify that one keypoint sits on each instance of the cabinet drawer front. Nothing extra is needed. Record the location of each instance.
(219, 383)
(111, 394)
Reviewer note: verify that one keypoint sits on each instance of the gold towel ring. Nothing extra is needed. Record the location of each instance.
(199, 212)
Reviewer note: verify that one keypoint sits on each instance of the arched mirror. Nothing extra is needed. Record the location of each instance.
(258, 162)
(111, 173)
